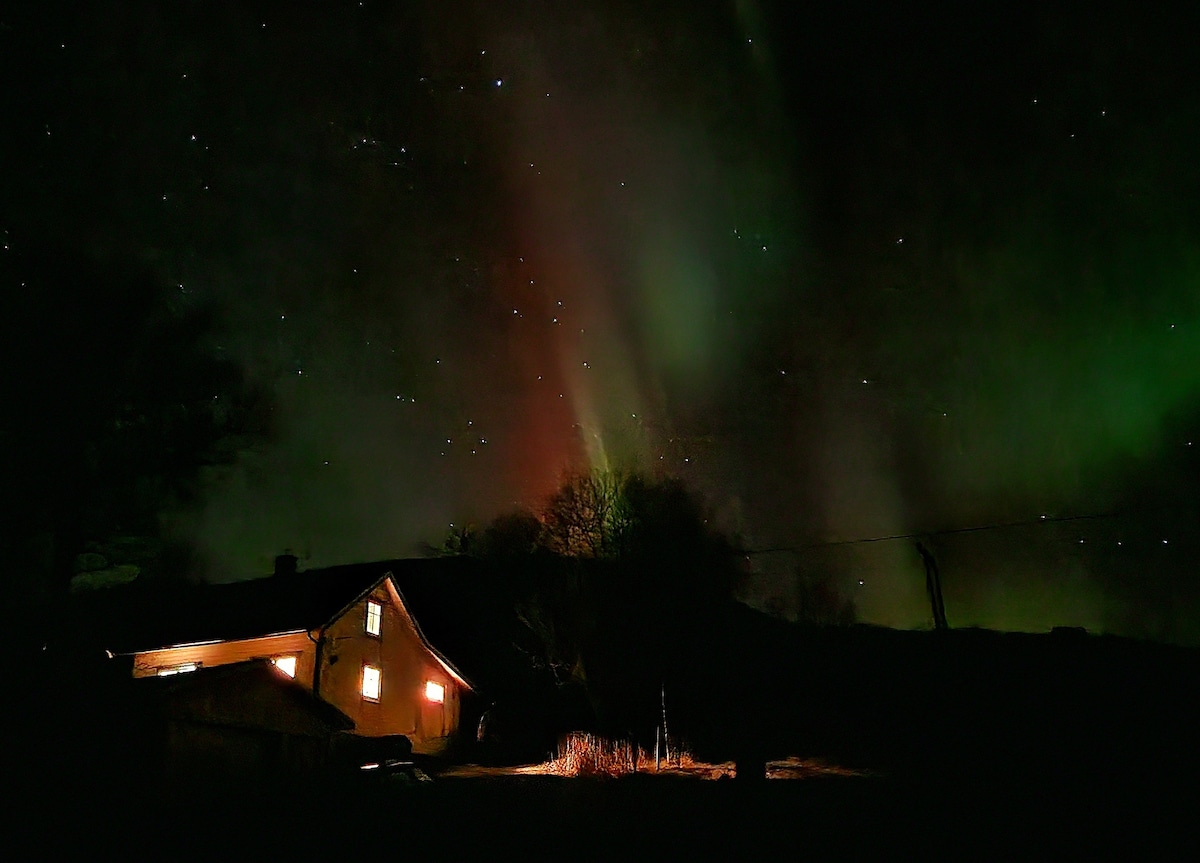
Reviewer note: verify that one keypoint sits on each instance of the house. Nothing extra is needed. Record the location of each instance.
(345, 633)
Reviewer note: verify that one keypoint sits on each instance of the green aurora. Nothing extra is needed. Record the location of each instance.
(850, 272)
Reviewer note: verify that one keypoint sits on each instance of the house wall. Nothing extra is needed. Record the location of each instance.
(149, 663)
(406, 664)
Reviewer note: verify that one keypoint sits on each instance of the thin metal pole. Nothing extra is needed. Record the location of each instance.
(666, 734)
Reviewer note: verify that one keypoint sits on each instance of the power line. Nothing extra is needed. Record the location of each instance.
(1002, 525)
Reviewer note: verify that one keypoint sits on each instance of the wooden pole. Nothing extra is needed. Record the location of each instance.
(933, 586)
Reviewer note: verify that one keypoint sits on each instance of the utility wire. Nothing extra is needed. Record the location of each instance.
(1045, 519)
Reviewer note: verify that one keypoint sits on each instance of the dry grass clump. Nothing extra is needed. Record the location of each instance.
(582, 754)
(589, 755)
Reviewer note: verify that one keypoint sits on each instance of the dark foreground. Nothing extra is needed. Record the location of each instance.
(981, 746)
(542, 817)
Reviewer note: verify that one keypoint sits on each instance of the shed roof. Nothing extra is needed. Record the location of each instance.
(248, 694)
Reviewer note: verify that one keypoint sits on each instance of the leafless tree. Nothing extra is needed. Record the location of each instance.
(587, 516)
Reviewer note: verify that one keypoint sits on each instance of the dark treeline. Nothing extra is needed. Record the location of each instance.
(116, 397)
(629, 596)
(619, 578)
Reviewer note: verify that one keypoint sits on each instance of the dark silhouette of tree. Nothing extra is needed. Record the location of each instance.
(115, 396)
(460, 540)
(619, 576)
(587, 516)
(511, 535)
(819, 602)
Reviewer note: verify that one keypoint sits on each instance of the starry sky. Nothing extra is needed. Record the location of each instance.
(851, 272)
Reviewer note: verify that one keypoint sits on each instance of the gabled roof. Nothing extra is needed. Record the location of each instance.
(243, 693)
(138, 620)
(448, 600)
(463, 610)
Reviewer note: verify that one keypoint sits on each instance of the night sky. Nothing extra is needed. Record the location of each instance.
(851, 272)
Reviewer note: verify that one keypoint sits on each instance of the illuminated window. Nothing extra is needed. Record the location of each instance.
(286, 664)
(371, 682)
(374, 617)
(177, 669)
(435, 692)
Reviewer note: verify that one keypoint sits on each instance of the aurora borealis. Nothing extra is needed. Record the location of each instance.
(851, 273)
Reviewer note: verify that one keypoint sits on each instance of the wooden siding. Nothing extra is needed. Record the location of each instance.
(298, 644)
(405, 664)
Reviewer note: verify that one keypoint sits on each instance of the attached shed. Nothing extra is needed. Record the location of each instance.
(244, 720)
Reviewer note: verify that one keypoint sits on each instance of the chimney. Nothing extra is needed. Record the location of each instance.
(285, 564)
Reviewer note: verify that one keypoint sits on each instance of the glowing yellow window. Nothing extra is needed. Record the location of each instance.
(435, 692)
(371, 682)
(286, 664)
(374, 617)
(177, 669)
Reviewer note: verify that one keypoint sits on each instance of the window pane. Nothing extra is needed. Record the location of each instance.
(435, 692)
(286, 664)
(371, 681)
(374, 616)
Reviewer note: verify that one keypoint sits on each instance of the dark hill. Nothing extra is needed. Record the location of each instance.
(944, 703)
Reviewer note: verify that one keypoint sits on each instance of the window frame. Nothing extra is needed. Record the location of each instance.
(362, 683)
(377, 607)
